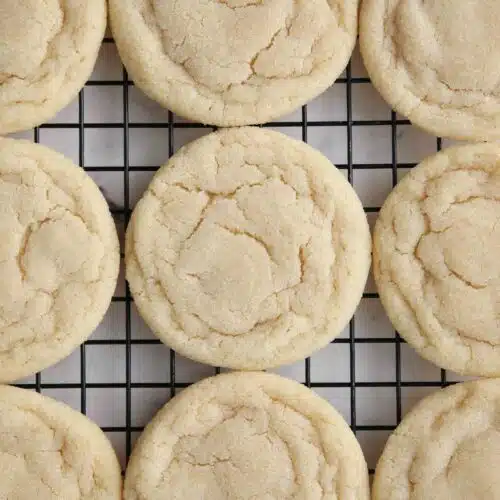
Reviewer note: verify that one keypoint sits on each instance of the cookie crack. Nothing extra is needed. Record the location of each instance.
(241, 232)
(462, 278)
(22, 251)
(249, 3)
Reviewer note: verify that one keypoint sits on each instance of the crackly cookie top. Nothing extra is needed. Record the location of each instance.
(248, 250)
(59, 257)
(234, 62)
(435, 258)
(436, 62)
(48, 451)
(445, 448)
(47, 51)
(246, 436)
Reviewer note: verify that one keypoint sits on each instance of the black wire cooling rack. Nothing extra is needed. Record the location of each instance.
(372, 432)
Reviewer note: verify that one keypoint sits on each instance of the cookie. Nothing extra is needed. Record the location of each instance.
(436, 63)
(234, 62)
(59, 257)
(51, 452)
(248, 250)
(246, 436)
(47, 52)
(436, 247)
(445, 448)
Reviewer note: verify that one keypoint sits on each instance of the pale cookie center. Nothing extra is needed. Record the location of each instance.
(225, 43)
(26, 29)
(464, 250)
(49, 259)
(34, 455)
(460, 256)
(242, 457)
(247, 262)
(233, 271)
(53, 253)
(471, 472)
(457, 39)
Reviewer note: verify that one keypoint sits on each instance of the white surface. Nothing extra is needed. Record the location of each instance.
(150, 364)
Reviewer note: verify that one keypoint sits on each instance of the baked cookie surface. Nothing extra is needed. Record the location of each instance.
(47, 52)
(59, 257)
(247, 435)
(435, 261)
(445, 447)
(436, 63)
(234, 62)
(248, 250)
(49, 451)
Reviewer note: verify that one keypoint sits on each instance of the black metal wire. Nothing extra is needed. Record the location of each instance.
(397, 344)
(81, 159)
(182, 385)
(128, 325)
(304, 125)
(171, 139)
(188, 125)
(350, 178)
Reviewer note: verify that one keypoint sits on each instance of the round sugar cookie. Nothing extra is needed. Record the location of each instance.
(445, 448)
(49, 451)
(436, 247)
(247, 435)
(47, 52)
(248, 250)
(436, 63)
(234, 62)
(59, 257)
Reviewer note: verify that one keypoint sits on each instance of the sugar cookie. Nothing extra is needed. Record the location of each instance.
(248, 250)
(47, 51)
(234, 62)
(436, 62)
(247, 436)
(59, 257)
(445, 448)
(48, 451)
(436, 247)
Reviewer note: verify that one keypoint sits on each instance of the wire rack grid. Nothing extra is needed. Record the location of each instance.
(123, 374)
